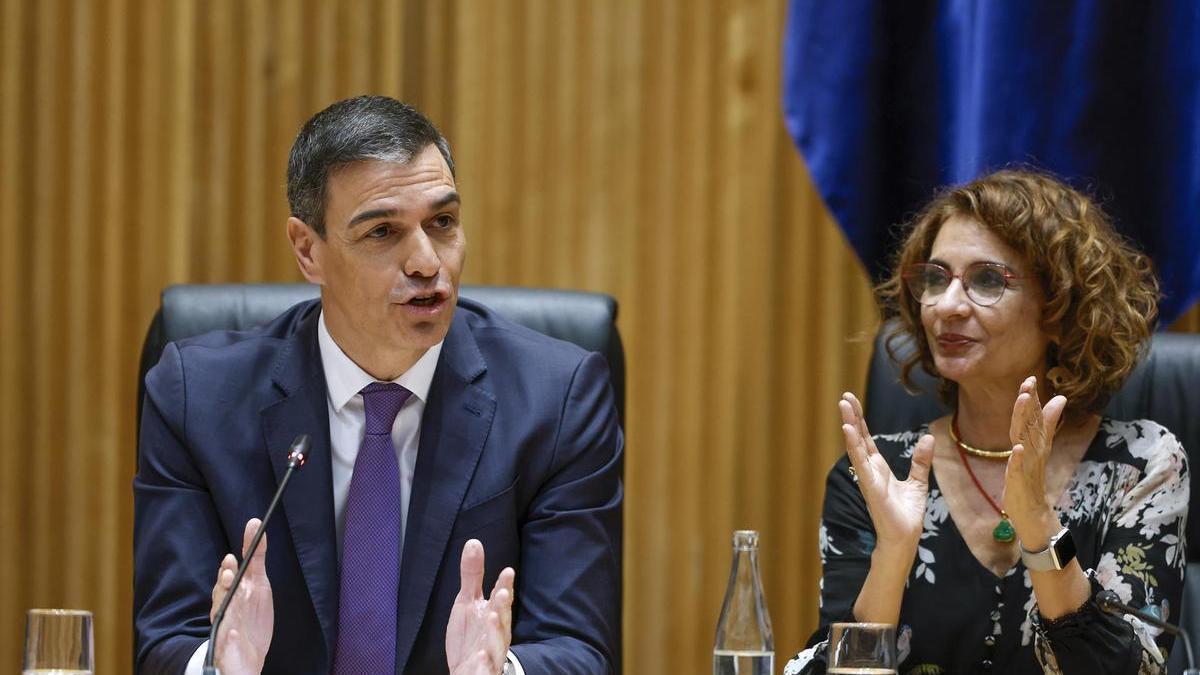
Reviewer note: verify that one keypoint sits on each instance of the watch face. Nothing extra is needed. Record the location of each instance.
(1064, 550)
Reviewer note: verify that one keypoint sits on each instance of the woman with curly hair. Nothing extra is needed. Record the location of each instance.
(984, 535)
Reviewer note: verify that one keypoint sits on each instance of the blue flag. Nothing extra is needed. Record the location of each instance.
(887, 101)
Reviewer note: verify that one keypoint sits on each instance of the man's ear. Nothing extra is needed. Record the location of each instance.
(306, 246)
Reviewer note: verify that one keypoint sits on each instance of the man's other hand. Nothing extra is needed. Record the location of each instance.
(245, 633)
(480, 629)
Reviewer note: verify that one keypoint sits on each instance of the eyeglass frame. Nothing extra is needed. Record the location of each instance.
(1005, 272)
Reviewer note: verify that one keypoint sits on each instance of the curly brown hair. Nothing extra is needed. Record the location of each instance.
(1101, 293)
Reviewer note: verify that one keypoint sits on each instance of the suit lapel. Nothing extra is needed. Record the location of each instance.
(457, 418)
(308, 501)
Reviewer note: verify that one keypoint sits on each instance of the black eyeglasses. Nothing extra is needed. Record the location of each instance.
(984, 282)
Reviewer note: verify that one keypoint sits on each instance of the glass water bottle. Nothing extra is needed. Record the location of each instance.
(744, 645)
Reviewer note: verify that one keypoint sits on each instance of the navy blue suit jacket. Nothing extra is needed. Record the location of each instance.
(520, 448)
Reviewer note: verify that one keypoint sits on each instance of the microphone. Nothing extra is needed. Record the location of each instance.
(297, 455)
(1108, 601)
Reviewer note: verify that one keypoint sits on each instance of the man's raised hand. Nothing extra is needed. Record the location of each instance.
(480, 629)
(245, 633)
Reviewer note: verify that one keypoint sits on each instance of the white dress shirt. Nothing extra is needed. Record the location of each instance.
(344, 379)
(348, 421)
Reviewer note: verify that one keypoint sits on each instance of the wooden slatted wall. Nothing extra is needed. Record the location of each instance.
(629, 147)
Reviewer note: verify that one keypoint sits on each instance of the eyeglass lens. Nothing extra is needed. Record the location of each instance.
(983, 282)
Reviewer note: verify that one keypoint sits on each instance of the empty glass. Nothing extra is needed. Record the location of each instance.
(58, 641)
(862, 649)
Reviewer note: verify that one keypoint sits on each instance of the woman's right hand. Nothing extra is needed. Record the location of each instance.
(897, 506)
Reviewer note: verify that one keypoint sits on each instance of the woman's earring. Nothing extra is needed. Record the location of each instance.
(1057, 376)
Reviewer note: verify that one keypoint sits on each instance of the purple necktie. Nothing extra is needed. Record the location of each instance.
(366, 632)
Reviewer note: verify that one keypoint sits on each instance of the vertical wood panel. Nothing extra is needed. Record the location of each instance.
(621, 146)
(13, 500)
(115, 330)
(148, 144)
(561, 98)
(180, 137)
(530, 163)
(74, 410)
(215, 118)
(701, 180)
(46, 237)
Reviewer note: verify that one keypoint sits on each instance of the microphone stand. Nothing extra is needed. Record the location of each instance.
(297, 455)
(1109, 602)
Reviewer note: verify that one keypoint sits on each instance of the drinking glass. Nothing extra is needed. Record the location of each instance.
(58, 641)
(862, 649)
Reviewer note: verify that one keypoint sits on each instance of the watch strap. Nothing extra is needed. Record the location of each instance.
(1059, 553)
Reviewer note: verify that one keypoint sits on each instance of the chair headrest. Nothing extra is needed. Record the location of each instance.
(586, 319)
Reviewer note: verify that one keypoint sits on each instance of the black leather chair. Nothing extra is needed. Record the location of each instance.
(586, 319)
(1165, 388)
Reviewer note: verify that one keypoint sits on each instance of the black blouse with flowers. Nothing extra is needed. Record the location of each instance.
(1126, 507)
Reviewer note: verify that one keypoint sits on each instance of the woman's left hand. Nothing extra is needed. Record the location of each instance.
(1032, 434)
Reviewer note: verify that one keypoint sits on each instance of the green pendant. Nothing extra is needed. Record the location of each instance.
(1004, 532)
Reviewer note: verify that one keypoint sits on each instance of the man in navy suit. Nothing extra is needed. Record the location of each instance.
(439, 432)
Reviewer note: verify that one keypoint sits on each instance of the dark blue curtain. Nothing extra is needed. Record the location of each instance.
(888, 100)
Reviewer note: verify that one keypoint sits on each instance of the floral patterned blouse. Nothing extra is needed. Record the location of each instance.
(1126, 506)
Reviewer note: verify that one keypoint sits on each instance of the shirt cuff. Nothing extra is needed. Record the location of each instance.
(195, 665)
(512, 658)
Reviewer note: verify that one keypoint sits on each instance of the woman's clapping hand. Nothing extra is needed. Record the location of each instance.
(1032, 434)
(897, 507)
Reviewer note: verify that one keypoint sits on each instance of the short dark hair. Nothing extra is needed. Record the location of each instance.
(353, 130)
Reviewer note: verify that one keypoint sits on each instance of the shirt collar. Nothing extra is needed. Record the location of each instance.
(344, 378)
